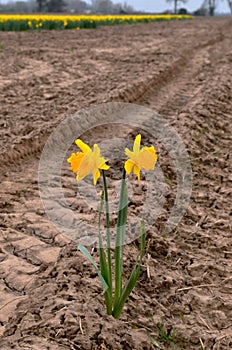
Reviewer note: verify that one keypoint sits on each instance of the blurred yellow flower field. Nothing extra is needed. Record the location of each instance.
(50, 22)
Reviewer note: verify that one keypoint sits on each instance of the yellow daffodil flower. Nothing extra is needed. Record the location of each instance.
(86, 162)
(145, 158)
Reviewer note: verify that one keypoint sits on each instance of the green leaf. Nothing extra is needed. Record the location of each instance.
(86, 253)
(126, 291)
(133, 276)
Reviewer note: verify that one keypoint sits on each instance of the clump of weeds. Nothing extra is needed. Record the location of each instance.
(164, 338)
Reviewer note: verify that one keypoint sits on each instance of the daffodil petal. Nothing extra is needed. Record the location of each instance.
(137, 143)
(96, 150)
(96, 176)
(83, 146)
(137, 171)
(129, 153)
(128, 166)
(99, 162)
(85, 166)
(104, 167)
(147, 158)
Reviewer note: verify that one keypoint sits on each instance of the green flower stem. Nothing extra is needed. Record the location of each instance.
(120, 234)
(103, 262)
(108, 243)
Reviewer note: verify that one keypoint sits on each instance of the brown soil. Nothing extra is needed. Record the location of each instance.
(50, 297)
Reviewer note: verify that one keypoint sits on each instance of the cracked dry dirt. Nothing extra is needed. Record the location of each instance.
(50, 297)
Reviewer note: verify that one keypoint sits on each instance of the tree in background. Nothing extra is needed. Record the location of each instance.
(208, 8)
(230, 5)
(202, 10)
(123, 8)
(107, 7)
(65, 6)
(77, 6)
(176, 4)
(41, 5)
(56, 6)
(102, 6)
(212, 7)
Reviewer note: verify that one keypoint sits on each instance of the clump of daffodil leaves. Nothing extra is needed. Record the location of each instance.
(90, 161)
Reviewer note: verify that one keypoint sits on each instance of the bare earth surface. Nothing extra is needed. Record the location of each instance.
(50, 297)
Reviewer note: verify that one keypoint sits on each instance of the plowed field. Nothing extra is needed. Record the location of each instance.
(50, 297)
